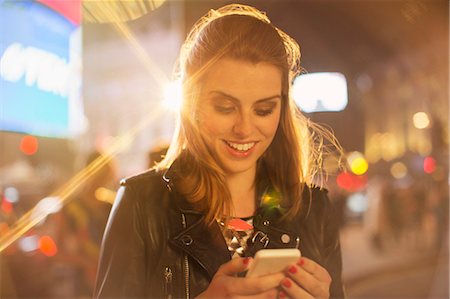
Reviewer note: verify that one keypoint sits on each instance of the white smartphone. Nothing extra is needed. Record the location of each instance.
(268, 261)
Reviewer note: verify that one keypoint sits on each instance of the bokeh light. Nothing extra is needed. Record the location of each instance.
(105, 195)
(351, 182)
(11, 194)
(7, 206)
(29, 145)
(357, 202)
(421, 120)
(47, 246)
(399, 170)
(429, 165)
(29, 243)
(358, 163)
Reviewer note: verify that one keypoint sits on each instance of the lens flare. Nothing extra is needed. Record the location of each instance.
(65, 193)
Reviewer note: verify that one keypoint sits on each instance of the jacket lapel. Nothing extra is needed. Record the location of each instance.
(205, 244)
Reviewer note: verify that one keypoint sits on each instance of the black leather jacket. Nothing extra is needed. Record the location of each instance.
(157, 246)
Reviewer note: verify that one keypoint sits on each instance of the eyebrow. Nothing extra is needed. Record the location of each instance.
(234, 99)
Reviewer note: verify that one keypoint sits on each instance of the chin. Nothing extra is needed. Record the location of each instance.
(234, 167)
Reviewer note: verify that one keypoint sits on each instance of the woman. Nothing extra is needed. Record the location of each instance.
(237, 178)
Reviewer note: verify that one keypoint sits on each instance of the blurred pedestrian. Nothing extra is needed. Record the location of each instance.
(81, 224)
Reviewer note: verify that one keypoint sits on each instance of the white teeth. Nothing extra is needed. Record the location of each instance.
(241, 147)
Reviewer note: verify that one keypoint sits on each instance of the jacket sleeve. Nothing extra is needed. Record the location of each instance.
(332, 249)
(122, 264)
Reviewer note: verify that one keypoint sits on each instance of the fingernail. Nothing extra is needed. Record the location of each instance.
(301, 262)
(287, 283)
(292, 270)
(281, 294)
(246, 260)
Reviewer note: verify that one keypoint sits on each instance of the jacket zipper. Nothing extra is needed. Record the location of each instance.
(186, 263)
(168, 280)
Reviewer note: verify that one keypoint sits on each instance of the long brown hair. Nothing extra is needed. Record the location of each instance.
(294, 157)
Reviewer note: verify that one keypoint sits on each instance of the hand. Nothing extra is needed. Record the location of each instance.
(306, 280)
(226, 284)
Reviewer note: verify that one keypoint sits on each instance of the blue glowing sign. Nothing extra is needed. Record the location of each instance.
(40, 74)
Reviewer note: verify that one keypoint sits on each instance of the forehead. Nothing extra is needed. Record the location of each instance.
(243, 79)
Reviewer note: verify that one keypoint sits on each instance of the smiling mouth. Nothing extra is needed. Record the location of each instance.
(241, 147)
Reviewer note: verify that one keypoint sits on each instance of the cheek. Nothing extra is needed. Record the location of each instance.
(269, 128)
(213, 125)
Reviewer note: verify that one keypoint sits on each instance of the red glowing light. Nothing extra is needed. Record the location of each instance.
(47, 246)
(29, 145)
(351, 182)
(429, 165)
(7, 207)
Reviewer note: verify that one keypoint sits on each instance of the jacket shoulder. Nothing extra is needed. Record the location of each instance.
(316, 201)
(146, 187)
(148, 176)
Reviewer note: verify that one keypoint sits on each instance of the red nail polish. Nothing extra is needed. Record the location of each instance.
(293, 270)
(281, 294)
(246, 260)
(287, 283)
(301, 262)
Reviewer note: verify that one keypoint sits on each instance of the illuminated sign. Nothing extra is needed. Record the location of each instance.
(40, 73)
(318, 92)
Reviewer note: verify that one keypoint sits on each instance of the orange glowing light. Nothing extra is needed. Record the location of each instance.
(7, 207)
(47, 246)
(429, 165)
(29, 145)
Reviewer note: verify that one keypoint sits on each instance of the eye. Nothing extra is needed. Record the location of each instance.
(265, 109)
(263, 112)
(224, 109)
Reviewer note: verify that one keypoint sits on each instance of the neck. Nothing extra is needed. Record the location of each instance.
(242, 191)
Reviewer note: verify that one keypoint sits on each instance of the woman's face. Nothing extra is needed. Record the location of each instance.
(239, 111)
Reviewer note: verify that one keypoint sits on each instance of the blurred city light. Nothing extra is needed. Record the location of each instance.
(105, 195)
(7, 206)
(29, 145)
(429, 165)
(421, 120)
(358, 164)
(47, 246)
(29, 243)
(40, 73)
(398, 170)
(173, 95)
(357, 203)
(37, 214)
(46, 206)
(310, 94)
(11, 194)
(351, 182)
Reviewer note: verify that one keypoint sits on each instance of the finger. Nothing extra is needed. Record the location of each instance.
(234, 266)
(308, 282)
(316, 270)
(293, 290)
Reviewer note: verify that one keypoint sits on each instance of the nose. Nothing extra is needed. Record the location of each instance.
(243, 126)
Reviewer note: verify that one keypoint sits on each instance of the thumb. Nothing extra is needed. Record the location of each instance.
(235, 266)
